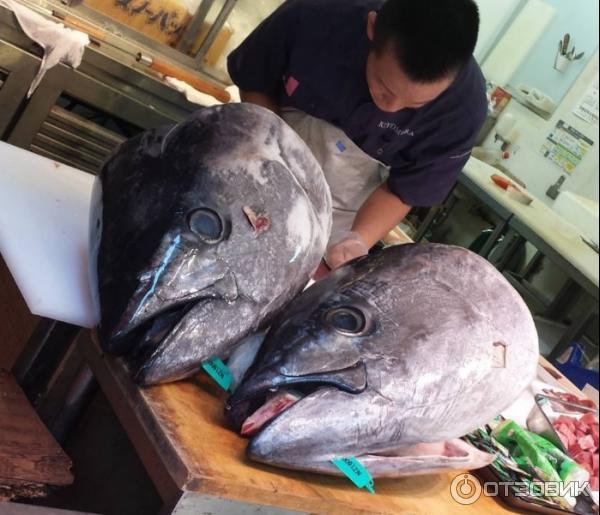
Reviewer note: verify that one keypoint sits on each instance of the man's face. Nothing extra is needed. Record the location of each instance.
(390, 88)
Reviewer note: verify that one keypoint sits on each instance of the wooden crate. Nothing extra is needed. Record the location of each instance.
(31, 461)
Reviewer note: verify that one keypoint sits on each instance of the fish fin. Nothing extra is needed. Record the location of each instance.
(426, 458)
(243, 356)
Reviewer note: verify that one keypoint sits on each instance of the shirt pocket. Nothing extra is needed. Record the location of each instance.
(302, 90)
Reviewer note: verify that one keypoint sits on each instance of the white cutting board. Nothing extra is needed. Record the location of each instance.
(44, 212)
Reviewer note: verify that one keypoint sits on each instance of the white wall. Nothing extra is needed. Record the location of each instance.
(493, 16)
(538, 172)
(517, 42)
(580, 20)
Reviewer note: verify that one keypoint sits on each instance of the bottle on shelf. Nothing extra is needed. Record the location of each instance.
(491, 156)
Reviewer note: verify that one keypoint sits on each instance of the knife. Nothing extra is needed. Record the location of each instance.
(566, 41)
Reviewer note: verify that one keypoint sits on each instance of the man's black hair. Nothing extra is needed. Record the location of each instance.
(431, 39)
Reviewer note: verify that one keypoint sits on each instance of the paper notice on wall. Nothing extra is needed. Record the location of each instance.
(566, 146)
(587, 108)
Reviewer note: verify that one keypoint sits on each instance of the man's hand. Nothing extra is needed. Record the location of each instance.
(350, 246)
(380, 213)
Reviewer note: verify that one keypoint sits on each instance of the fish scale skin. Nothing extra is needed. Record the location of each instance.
(436, 312)
(227, 159)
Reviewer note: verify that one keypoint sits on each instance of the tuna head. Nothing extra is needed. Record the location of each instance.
(203, 231)
(390, 354)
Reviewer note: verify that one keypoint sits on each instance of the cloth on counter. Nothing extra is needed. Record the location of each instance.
(60, 44)
(197, 97)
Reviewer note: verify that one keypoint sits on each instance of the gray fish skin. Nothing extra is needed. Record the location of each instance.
(203, 231)
(447, 344)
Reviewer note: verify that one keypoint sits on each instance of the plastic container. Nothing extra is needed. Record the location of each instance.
(539, 419)
(561, 63)
(491, 156)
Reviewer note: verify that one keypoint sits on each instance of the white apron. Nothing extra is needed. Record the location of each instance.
(352, 174)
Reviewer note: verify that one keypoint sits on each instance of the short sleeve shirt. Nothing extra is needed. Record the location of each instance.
(311, 55)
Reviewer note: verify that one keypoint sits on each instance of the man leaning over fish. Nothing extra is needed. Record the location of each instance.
(386, 94)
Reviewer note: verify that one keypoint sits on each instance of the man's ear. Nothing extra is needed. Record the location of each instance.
(372, 17)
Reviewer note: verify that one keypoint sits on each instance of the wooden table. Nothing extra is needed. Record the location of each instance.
(199, 466)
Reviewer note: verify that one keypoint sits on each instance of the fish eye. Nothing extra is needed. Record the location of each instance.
(346, 320)
(207, 224)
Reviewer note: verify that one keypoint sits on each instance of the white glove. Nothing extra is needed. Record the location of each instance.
(350, 246)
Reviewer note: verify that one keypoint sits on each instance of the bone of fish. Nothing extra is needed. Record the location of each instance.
(202, 232)
(414, 345)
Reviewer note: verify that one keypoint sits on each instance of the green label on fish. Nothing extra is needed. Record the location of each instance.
(218, 370)
(356, 472)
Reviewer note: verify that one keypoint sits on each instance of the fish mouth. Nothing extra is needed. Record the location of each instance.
(150, 316)
(137, 342)
(263, 398)
(142, 340)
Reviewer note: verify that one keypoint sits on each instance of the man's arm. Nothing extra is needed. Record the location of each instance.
(380, 213)
(261, 99)
(424, 185)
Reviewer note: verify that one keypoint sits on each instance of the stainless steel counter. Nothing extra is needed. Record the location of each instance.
(78, 116)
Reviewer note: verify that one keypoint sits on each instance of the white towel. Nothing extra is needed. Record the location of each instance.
(60, 44)
(197, 97)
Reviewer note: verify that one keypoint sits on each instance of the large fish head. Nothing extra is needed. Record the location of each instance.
(207, 228)
(416, 344)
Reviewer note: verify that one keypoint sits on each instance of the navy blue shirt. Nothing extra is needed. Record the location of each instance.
(311, 55)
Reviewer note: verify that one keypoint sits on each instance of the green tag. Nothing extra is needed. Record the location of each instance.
(218, 370)
(356, 472)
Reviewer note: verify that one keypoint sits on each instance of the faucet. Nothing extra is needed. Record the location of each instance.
(554, 190)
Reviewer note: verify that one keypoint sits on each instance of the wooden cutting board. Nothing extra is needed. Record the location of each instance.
(44, 227)
(180, 428)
